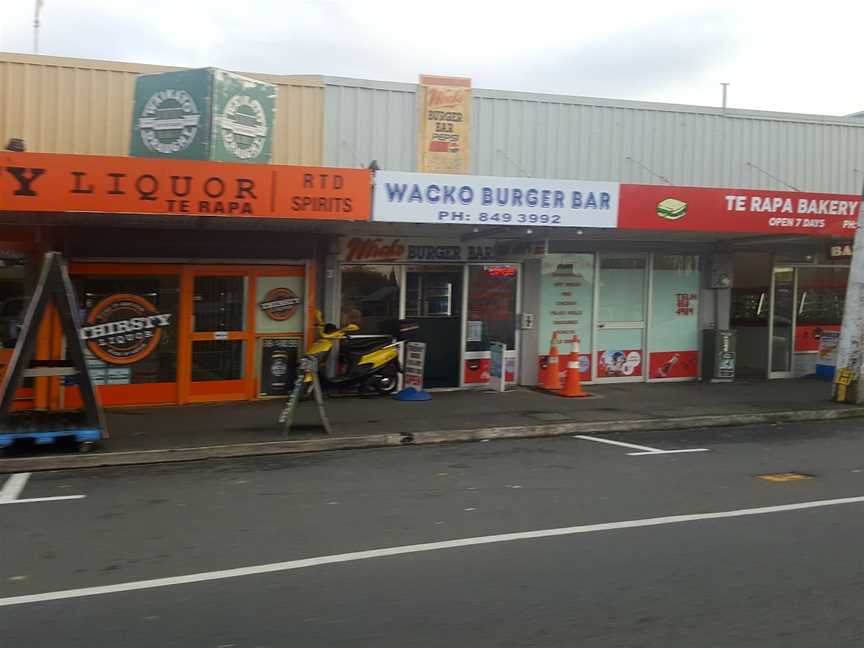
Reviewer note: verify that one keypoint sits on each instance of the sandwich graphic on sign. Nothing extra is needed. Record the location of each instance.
(672, 209)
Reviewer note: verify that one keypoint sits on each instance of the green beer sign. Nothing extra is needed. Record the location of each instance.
(205, 114)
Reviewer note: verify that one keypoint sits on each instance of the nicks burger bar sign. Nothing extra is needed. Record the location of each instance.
(700, 209)
(35, 182)
(123, 329)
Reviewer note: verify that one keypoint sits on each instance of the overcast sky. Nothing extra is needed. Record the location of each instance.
(775, 55)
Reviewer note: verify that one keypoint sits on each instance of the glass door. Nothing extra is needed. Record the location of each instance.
(620, 317)
(781, 330)
(434, 299)
(491, 309)
(219, 338)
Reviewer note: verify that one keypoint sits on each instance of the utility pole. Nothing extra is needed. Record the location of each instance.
(36, 13)
(850, 351)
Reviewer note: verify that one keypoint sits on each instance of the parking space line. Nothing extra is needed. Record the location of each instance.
(385, 552)
(644, 450)
(13, 487)
(16, 483)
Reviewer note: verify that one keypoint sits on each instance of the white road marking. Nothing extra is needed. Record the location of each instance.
(409, 549)
(16, 483)
(43, 499)
(645, 449)
(13, 487)
(653, 452)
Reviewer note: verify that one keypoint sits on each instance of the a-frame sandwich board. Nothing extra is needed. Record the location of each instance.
(54, 286)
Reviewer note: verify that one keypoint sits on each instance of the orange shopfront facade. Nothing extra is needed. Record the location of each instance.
(211, 304)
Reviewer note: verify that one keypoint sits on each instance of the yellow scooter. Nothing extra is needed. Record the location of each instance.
(371, 365)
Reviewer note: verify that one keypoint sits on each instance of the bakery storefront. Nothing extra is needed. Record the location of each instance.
(197, 282)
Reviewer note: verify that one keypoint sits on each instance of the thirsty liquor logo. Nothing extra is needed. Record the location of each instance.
(169, 121)
(244, 127)
(124, 329)
(280, 304)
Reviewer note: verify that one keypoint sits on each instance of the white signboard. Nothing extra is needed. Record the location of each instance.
(497, 371)
(415, 360)
(404, 197)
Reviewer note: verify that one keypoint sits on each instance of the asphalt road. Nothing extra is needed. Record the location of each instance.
(790, 578)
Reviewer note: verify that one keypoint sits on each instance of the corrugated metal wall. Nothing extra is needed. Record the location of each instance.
(548, 136)
(568, 137)
(367, 120)
(60, 105)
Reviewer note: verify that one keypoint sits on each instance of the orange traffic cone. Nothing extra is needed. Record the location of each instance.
(541, 370)
(573, 384)
(552, 380)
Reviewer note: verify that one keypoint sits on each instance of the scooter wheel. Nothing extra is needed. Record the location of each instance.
(386, 380)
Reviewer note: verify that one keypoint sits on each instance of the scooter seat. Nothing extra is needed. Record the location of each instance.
(362, 346)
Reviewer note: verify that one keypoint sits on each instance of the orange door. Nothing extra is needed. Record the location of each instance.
(216, 363)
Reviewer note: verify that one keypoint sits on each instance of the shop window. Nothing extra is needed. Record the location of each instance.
(567, 306)
(491, 306)
(220, 303)
(820, 299)
(673, 343)
(13, 299)
(130, 328)
(370, 298)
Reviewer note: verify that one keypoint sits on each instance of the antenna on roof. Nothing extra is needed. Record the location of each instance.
(36, 12)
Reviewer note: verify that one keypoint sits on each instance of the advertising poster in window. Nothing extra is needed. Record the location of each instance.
(674, 335)
(445, 122)
(278, 366)
(279, 305)
(566, 306)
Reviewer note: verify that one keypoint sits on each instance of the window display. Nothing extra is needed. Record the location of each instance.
(673, 341)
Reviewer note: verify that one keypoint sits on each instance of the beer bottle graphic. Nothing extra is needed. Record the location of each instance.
(663, 372)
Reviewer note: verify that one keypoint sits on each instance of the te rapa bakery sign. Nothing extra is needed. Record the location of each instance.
(35, 182)
(701, 209)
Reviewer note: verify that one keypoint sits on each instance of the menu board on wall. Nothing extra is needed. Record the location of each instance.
(566, 305)
(445, 122)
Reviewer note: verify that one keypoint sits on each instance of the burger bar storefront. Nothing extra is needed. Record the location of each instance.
(197, 281)
(640, 273)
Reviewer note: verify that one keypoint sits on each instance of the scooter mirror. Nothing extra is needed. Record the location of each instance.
(319, 318)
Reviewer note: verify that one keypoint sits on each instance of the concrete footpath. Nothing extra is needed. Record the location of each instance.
(193, 432)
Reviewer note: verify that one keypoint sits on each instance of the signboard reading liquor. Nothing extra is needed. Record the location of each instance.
(402, 197)
(39, 182)
(702, 209)
(445, 123)
(124, 329)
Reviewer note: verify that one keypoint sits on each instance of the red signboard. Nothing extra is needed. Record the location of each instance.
(700, 209)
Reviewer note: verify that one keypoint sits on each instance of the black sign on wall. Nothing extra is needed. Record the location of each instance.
(278, 366)
(840, 250)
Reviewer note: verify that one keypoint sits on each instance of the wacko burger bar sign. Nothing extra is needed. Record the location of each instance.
(35, 182)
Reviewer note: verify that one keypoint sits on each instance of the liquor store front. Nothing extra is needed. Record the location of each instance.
(162, 333)
(462, 297)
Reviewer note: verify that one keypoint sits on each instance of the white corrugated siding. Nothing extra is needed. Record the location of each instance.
(550, 136)
(365, 121)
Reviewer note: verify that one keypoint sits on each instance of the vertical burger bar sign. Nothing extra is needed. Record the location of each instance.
(444, 125)
(205, 114)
